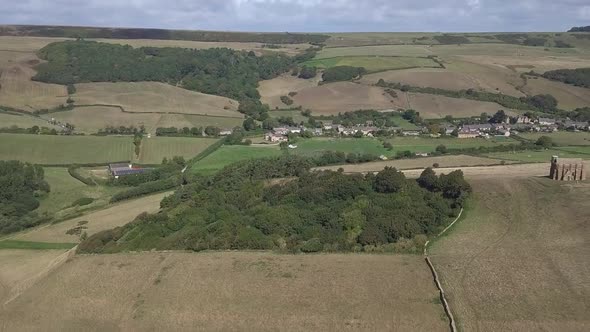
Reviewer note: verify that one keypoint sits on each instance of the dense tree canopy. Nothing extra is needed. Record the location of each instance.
(306, 211)
(577, 77)
(342, 73)
(19, 185)
(580, 29)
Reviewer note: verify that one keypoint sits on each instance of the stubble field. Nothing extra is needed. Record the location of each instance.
(231, 291)
(154, 97)
(518, 261)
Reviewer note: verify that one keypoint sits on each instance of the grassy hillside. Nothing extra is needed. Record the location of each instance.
(134, 33)
(510, 237)
(153, 150)
(230, 154)
(373, 64)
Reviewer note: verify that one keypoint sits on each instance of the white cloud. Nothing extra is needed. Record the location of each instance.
(305, 15)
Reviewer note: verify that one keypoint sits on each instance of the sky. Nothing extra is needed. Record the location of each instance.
(305, 15)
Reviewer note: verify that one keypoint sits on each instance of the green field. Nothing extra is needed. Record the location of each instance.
(562, 137)
(537, 156)
(295, 114)
(13, 244)
(65, 190)
(65, 149)
(422, 144)
(229, 154)
(316, 146)
(154, 149)
(373, 63)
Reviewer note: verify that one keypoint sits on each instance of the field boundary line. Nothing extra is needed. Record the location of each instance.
(54, 264)
(443, 298)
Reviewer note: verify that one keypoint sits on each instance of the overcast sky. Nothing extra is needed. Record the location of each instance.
(305, 15)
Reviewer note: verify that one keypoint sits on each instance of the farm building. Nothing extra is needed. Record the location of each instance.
(117, 170)
(567, 169)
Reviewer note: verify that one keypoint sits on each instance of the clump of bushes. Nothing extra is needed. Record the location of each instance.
(286, 100)
(83, 201)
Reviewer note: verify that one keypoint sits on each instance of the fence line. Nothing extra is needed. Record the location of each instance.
(443, 298)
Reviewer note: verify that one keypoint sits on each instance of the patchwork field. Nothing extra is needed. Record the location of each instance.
(517, 261)
(236, 291)
(229, 154)
(568, 96)
(345, 96)
(435, 106)
(45, 149)
(154, 149)
(154, 97)
(32, 44)
(113, 216)
(373, 63)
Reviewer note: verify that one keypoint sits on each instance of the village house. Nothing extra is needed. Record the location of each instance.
(328, 126)
(281, 130)
(317, 131)
(576, 125)
(411, 132)
(275, 138)
(225, 132)
(468, 134)
(295, 130)
(448, 128)
(523, 119)
(546, 121)
(477, 128)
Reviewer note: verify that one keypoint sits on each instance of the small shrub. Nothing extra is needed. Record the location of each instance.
(435, 165)
(313, 245)
(286, 100)
(83, 201)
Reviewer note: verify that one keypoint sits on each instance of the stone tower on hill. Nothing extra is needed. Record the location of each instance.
(567, 169)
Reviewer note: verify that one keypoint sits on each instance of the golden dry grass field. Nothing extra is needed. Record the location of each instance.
(272, 90)
(16, 88)
(22, 268)
(229, 291)
(518, 260)
(338, 97)
(435, 106)
(404, 164)
(112, 216)
(32, 44)
(154, 97)
(568, 96)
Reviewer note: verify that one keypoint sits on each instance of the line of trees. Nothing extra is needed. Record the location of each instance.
(20, 186)
(578, 77)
